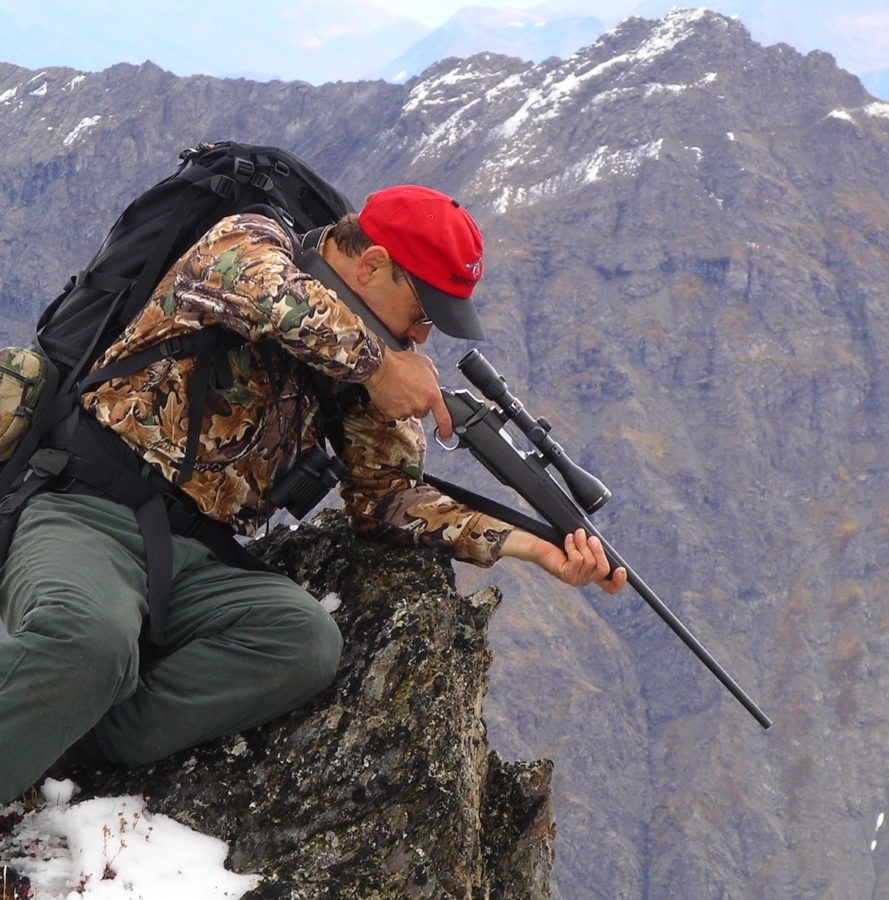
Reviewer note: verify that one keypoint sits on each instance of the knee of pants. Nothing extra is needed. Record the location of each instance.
(100, 652)
(324, 644)
(314, 644)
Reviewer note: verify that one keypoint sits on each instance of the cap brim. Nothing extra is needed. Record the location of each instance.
(455, 316)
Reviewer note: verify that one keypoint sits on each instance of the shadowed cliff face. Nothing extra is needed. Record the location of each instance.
(385, 787)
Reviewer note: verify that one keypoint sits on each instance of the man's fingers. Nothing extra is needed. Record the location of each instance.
(601, 560)
(442, 416)
(588, 548)
(406, 384)
(588, 563)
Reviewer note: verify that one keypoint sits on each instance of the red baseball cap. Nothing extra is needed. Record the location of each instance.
(437, 242)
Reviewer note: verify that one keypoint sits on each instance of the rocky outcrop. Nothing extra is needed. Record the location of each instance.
(385, 786)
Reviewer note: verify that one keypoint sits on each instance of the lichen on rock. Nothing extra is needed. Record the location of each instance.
(385, 786)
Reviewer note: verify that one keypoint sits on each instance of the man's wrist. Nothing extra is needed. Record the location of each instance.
(374, 360)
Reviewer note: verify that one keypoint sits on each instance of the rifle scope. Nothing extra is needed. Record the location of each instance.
(490, 444)
(589, 492)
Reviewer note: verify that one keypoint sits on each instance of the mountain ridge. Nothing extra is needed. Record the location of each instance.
(349, 41)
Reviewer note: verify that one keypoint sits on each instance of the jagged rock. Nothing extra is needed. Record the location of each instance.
(385, 786)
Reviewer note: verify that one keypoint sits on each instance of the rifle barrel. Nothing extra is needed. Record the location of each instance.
(661, 608)
(479, 428)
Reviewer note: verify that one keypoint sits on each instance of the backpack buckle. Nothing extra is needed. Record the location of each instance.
(243, 168)
(171, 347)
(48, 462)
(263, 182)
(222, 185)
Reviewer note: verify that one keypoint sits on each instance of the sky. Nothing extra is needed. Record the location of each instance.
(330, 41)
(288, 39)
(436, 12)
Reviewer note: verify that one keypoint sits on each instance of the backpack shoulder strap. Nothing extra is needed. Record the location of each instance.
(309, 260)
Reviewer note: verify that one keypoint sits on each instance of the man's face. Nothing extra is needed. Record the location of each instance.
(396, 302)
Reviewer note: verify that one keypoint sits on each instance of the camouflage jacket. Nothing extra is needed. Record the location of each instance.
(241, 275)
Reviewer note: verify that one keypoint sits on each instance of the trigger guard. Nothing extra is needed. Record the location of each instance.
(442, 444)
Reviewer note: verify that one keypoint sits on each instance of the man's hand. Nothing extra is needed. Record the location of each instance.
(406, 384)
(581, 562)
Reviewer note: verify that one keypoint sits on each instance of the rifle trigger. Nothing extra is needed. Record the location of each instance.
(458, 431)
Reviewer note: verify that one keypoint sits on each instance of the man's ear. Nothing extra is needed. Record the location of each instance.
(373, 262)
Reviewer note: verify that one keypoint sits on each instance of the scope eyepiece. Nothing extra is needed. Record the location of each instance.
(483, 375)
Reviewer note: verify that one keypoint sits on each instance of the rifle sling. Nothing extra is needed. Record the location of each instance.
(498, 510)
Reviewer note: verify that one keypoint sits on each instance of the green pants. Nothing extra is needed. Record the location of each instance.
(240, 647)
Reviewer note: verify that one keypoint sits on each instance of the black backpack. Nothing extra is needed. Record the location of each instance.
(212, 181)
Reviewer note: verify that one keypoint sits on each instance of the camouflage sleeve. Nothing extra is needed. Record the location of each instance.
(386, 499)
(242, 276)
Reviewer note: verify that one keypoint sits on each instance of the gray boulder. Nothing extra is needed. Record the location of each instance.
(385, 786)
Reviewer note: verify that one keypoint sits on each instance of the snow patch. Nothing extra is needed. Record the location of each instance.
(426, 93)
(82, 127)
(625, 162)
(604, 162)
(114, 848)
(873, 843)
(877, 109)
(669, 33)
(662, 88)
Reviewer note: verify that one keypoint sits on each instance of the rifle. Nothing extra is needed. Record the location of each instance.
(480, 428)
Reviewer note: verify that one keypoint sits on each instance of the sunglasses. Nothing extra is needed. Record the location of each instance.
(425, 320)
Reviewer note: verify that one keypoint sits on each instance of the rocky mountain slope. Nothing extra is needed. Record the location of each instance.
(688, 248)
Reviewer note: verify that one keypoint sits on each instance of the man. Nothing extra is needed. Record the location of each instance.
(236, 648)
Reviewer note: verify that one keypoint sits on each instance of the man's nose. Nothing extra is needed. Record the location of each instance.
(419, 333)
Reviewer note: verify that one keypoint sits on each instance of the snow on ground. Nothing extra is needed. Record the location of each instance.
(111, 848)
